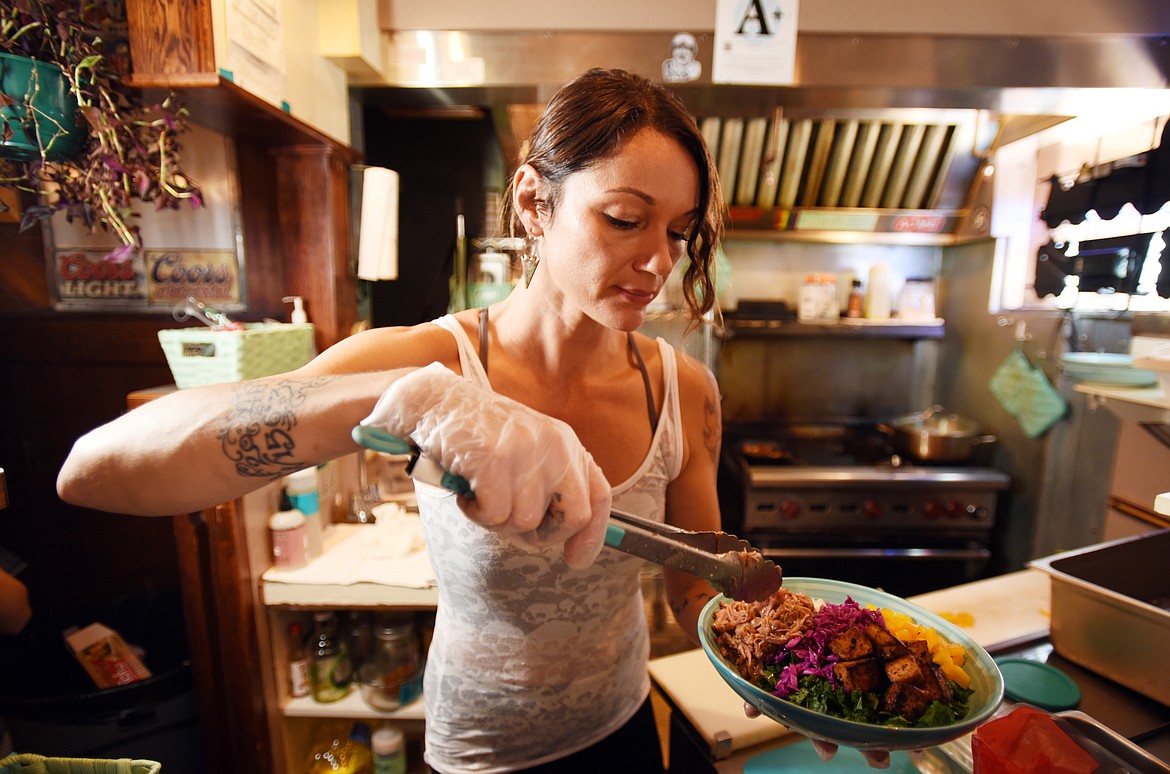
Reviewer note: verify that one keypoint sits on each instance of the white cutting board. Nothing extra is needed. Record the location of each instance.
(690, 681)
(1007, 609)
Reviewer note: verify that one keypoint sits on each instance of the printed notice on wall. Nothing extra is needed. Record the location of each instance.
(255, 54)
(755, 42)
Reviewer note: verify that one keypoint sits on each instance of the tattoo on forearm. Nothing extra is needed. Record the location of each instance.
(258, 432)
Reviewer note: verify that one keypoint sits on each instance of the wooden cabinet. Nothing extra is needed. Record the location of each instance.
(300, 718)
(295, 213)
(293, 177)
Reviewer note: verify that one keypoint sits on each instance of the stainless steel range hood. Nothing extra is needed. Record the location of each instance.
(883, 139)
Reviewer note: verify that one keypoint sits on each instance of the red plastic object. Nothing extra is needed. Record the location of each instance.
(1028, 741)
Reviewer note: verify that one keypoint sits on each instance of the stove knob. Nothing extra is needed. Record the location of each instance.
(789, 510)
(977, 512)
(872, 509)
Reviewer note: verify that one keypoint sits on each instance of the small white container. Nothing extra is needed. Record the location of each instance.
(809, 308)
(878, 305)
(290, 540)
(916, 301)
(301, 488)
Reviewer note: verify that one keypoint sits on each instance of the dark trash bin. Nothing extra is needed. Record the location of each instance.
(52, 707)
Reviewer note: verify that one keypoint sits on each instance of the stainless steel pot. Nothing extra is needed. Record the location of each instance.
(936, 435)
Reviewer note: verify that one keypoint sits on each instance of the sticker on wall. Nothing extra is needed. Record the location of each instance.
(212, 276)
(683, 65)
(81, 278)
(755, 42)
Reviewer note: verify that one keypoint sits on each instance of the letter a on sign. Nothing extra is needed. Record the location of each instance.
(755, 42)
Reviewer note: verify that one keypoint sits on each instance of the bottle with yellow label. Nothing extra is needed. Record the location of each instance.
(331, 668)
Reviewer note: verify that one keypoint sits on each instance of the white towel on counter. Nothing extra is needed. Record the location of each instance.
(390, 553)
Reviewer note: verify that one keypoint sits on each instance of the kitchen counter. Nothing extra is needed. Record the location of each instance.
(709, 732)
(1139, 404)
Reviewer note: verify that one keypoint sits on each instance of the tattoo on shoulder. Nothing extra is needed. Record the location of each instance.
(258, 432)
(712, 425)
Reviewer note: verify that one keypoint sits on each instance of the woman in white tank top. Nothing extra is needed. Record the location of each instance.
(550, 404)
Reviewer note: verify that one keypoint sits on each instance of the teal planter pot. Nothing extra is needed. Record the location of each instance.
(53, 123)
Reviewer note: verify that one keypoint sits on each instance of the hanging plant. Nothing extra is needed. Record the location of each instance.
(124, 149)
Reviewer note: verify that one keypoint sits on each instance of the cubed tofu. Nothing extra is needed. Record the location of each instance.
(905, 669)
(905, 700)
(888, 646)
(944, 688)
(920, 649)
(863, 675)
(851, 645)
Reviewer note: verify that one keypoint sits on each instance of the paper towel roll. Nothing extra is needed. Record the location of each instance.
(378, 229)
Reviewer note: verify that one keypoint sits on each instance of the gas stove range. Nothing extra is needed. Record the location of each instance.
(841, 455)
(814, 493)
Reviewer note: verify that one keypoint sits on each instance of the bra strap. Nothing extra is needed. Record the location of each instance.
(645, 381)
(483, 338)
(483, 359)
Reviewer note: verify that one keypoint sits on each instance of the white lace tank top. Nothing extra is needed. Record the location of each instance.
(532, 660)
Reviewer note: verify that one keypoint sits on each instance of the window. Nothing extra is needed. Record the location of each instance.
(1081, 148)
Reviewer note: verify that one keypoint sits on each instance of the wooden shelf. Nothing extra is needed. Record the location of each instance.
(220, 105)
(351, 707)
(868, 330)
(279, 593)
(350, 596)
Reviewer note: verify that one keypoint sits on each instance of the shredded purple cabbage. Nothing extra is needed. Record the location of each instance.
(808, 652)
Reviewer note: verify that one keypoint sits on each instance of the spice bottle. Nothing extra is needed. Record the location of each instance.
(388, 745)
(830, 306)
(290, 541)
(332, 670)
(855, 306)
(299, 681)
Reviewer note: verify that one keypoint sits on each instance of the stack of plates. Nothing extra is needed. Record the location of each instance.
(1106, 368)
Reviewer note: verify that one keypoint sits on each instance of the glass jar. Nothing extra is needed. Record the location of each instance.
(916, 301)
(392, 676)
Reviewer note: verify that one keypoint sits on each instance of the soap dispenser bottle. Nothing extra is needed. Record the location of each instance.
(299, 315)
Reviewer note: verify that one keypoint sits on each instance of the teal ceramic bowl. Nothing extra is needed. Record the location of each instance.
(985, 677)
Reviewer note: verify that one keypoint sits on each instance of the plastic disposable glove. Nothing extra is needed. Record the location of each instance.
(530, 474)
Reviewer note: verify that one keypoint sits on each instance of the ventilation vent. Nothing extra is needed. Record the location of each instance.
(830, 162)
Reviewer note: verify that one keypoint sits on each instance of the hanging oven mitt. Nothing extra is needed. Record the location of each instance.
(1025, 392)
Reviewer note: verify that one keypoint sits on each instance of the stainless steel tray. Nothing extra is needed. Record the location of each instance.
(1112, 750)
(1107, 612)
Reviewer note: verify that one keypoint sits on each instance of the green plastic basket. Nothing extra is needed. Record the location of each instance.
(199, 356)
(29, 763)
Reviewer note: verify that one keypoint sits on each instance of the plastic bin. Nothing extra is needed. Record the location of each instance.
(28, 763)
(52, 707)
(199, 356)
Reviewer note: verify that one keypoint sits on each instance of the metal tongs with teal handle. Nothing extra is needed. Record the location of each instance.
(729, 564)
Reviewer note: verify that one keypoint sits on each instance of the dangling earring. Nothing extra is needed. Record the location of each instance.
(530, 258)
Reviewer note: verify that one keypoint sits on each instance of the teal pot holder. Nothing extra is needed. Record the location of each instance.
(1025, 392)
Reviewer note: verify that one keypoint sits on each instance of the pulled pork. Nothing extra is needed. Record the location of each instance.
(747, 632)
